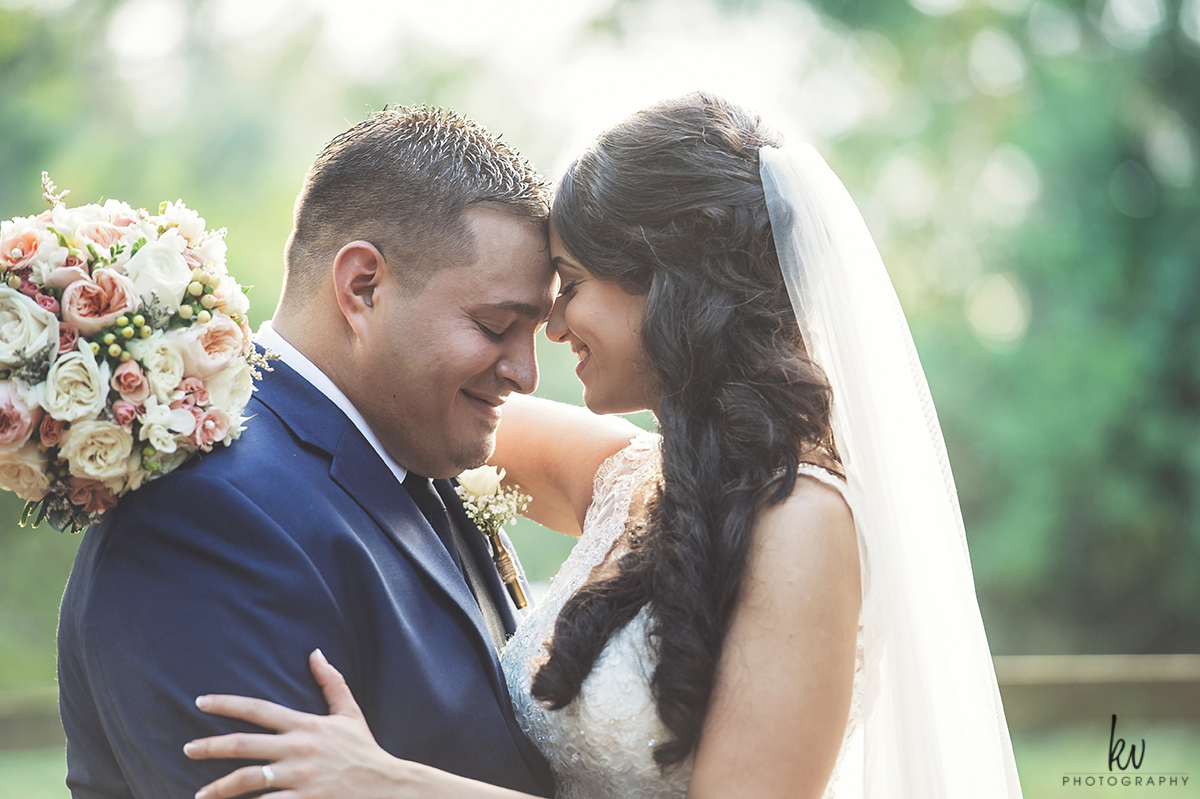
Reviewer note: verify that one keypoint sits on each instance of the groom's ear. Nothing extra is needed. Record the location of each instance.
(358, 270)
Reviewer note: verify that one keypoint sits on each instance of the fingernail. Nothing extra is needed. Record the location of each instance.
(188, 748)
(203, 702)
(321, 656)
(200, 794)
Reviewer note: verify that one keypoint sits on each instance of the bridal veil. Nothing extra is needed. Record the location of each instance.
(933, 724)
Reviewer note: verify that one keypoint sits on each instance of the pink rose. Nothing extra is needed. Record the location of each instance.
(17, 420)
(51, 430)
(208, 348)
(124, 412)
(67, 336)
(92, 495)
(211, 426)
(194, 393)
(47, 302)
(28, 288)
(131, 383)
(92, 305)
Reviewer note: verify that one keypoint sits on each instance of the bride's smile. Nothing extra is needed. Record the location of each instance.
(602, 323)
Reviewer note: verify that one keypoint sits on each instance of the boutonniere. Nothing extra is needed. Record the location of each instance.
(490, 506)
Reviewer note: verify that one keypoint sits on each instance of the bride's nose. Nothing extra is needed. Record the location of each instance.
(556, 326)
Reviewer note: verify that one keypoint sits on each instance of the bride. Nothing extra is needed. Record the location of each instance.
(774, 597)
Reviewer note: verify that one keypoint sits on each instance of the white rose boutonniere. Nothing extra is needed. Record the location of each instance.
(490, 506)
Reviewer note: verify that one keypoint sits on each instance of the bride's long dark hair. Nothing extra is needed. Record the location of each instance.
(669, 204)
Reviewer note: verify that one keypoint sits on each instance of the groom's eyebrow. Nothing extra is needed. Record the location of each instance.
(529, 311)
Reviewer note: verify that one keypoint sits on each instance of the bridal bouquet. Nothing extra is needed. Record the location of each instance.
(124, 350)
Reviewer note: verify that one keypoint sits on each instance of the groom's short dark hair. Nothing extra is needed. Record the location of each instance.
(402, 179)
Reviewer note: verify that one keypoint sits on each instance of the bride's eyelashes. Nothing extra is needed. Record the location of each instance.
(568, 288)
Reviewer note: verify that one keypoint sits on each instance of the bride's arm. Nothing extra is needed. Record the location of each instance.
(784, 682)
(322, 757)
(552, 451)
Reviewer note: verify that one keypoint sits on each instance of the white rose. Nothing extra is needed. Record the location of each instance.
(25, 328)
(162, 361)
(213, 251)
(24, 472)
(135, 476)
(230, 388)
(164, 427)
(96, 449)
(50, 256)
(159, 270)
(77, 387)
(230, 298)
(482, 482)
(66, 221)
(189, 223)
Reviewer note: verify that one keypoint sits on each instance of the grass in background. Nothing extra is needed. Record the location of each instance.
(33, 774)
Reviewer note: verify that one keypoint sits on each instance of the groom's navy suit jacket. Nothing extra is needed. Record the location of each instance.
(222, 576)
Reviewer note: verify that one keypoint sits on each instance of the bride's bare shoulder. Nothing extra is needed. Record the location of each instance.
(810, 535)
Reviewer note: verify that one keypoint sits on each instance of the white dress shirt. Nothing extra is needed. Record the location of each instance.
(269, 338)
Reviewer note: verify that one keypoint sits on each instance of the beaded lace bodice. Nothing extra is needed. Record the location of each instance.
(601, 746)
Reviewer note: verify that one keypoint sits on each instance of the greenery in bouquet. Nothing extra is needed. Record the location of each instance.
(124, 350)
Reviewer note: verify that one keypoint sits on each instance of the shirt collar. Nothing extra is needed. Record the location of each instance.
(269, 338)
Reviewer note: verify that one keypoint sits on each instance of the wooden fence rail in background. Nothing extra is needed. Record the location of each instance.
(1039, 692)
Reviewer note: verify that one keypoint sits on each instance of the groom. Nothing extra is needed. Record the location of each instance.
(416, 276)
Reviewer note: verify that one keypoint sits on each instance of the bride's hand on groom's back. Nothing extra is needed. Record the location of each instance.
(327, 756)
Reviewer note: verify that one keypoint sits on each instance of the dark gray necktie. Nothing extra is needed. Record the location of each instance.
(434, 510)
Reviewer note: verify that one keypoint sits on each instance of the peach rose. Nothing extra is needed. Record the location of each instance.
(64, 276)
(92, 305)
(124, 413)
(20, 248)
(210, 347)
(17, 420)
(102, 234)
(211, 427)
(50, 431)
(129, 381)
(92, 495)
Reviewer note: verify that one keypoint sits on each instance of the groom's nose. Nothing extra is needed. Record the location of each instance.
(518, 366)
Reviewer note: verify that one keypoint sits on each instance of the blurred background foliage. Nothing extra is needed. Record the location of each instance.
(1029, 170)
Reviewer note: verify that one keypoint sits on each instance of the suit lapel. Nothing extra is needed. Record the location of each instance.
(358, 469)
(363, 475)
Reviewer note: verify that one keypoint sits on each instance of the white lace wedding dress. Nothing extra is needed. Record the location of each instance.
(601, 746)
